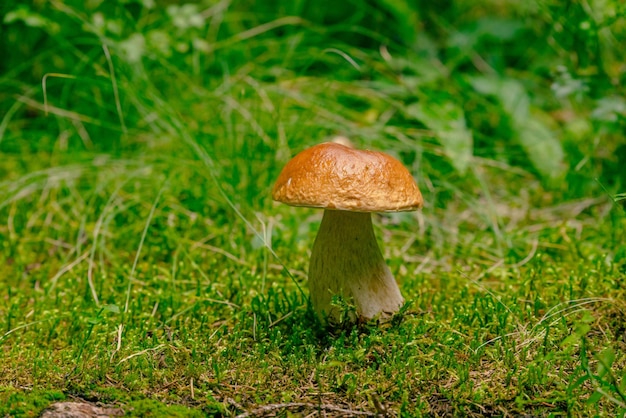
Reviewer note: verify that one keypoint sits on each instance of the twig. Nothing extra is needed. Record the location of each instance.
(140, 353)
(265, 409)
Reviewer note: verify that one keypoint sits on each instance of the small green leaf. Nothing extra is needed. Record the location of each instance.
(594, 398)
(605, 360)
(510, 93)
(447, 120)
(333, 364)
(542, 147)
(587, 318)
(582, 328)
(94, 321)
(580, 381)
(111, 308)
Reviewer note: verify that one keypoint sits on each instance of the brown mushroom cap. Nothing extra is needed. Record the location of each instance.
(333, 176)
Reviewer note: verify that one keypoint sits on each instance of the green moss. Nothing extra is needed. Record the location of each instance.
(22, 403)
(151, 408)
(144, 265)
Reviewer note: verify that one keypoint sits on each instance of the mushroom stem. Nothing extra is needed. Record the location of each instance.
(347, 261)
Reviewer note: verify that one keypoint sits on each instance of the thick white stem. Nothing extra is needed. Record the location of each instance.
(346, 261)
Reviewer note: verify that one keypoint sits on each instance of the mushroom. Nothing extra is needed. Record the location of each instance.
(346, 261)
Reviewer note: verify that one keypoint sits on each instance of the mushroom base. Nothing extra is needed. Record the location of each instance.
(346, 261)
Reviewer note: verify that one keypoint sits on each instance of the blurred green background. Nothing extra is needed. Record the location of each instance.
(139, 141)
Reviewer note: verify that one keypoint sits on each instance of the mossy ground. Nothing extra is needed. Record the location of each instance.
(143, 264)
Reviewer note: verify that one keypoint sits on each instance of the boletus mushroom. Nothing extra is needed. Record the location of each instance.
(346, 261)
